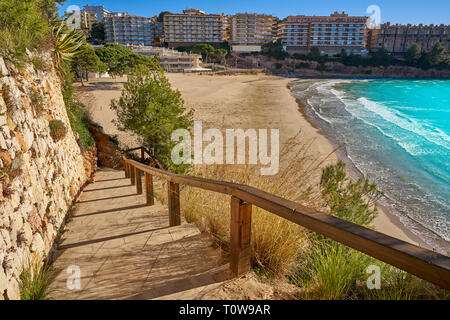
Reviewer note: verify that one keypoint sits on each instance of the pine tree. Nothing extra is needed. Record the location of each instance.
(151, 109)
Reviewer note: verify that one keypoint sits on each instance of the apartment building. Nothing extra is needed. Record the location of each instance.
(330, 34)
(398, 38)
(100, 11)
(88, 19)
(194, 26)
(249, 31)
(125, 29)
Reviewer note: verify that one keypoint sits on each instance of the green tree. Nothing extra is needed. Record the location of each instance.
(221, 53)
(127, 64)
(151, 109)
(437, 54)
(161, 16)
(86, 61)
(274, 49)
(110, 54)
(205, 50)
(381, 57)
(413, 54)
(98, 32)
(314, 52)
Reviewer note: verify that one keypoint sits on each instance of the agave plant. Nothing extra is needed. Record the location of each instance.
(67, 45)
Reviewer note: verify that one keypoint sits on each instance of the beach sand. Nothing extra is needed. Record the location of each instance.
(241, 101)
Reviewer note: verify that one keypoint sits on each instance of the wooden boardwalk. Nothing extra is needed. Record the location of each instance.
(126, 250)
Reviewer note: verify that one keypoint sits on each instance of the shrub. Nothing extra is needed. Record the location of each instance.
(23, 25)
(35, 278)
(79, 121)
(37, 101)
(57, 129)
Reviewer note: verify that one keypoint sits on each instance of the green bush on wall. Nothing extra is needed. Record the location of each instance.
(57, 129)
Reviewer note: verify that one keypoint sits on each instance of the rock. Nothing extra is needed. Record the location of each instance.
(16, 223)
(34, 221)
(38, 245)
(13, 290)
(6, 158)
(3, 282)
(27, 234)
(3, 145)
(109, 155)
(3, 69)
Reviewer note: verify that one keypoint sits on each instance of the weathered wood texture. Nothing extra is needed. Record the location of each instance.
(149, 189)
(137, 174)
(241, 216)
(174, 204)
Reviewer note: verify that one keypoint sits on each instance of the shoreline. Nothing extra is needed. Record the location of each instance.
(386, 221)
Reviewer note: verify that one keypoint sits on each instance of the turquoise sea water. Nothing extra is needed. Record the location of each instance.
(397, 132)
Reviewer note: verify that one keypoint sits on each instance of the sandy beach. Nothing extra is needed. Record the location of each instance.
(241, 101)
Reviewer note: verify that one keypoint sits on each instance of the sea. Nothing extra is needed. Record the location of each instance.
(397, 133)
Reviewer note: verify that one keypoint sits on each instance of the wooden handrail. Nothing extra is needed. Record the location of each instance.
(425, 264)
(143, 152)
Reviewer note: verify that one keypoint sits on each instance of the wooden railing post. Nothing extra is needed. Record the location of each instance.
(149, 189)
(126, 169)
(132, 174)
(142, 155)
(137, 174)
(174, 204)
(241, 215)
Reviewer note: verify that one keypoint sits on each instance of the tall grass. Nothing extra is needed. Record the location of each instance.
(36, 278)
(276, 242)
(323, 268)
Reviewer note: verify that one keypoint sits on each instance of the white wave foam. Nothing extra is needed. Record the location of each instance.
(427, 132)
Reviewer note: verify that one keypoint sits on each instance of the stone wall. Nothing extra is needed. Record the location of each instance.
(39, 175)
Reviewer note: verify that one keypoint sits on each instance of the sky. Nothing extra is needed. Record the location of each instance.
(394, 11)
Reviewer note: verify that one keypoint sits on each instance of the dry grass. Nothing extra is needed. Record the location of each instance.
(323, 268)
(276, 242)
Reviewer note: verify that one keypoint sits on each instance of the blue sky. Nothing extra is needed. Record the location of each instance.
(394, 11)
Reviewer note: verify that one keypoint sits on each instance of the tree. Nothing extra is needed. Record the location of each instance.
(204, 49)
(161, 16)
(127, 63)
(151, 109)
(221, 53)
(437, 54)
(98, 32)
(381, 57)
(85, 61)
(274, 49)
(111, 54)
(413, 54)
(314, 52)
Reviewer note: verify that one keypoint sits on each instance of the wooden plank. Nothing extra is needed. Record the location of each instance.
(240, 233)
(174, 204)
(132, 174)
(426, 264)
(137, 174)
(149, 189)
(142, 155)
